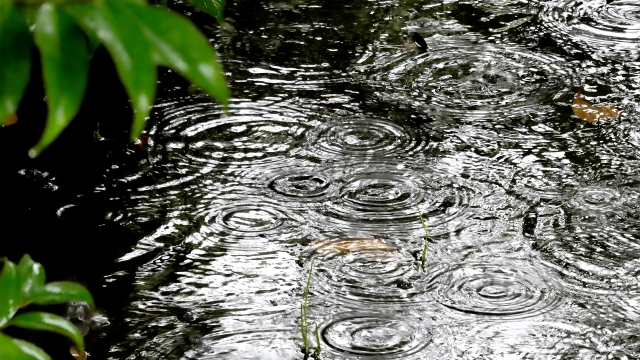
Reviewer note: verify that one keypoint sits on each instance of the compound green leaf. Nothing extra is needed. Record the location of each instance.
(49, 322)
(212, 7)
(61, 292)
(65, 67)
(31, 276)
(15, 60)
(16, 349)
(9, 292)
(121, 35)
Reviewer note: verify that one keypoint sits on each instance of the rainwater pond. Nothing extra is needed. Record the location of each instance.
(337, 134)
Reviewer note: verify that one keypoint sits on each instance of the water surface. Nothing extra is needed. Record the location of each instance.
(338, 130)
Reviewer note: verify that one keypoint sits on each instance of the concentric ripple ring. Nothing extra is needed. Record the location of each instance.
(392, 335)
(595, 24)
(502, 290)
(365, 137)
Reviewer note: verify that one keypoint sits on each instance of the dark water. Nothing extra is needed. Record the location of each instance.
(337, 130)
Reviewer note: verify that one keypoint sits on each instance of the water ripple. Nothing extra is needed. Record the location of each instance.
(302, 185)
(461, 74)
(596, 198)
(511, 340)
(252, 218)
(592, 239)
(594, 24)
(200, 135)
(505, 290)
(365, 137)
(384, 197)
(372, 276)
(390, 335)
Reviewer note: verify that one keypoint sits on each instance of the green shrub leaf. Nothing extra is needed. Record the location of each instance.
(9, 292)
(178, 44)
(121, 36)
(16, 349)
(212, 7)
(31, 276)
(61, 292)
(15, 60)
(5, 8)
(139, 37)
(49, 322)
(65, 67)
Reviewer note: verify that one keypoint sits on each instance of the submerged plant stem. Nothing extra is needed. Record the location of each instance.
(426, 237)
(304, 329)
(304, 326)
(317, 343)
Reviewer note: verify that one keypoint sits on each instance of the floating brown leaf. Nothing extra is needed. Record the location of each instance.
(352, 245)
(10, 120)
(588, 112)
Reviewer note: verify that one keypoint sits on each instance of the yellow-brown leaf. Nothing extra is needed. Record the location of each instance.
(588, 112)
(352, 245)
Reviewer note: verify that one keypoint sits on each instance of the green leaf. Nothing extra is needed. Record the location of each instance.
(31, 276)
(49, 322)
(15, 59)
(93, 42)
(178, 44)
(9, 292)
(65, 66)
(61, 292)
(212, 7)
(139, 37)
(175, 42)
(16, 349)
(5, 8)
(121, 36)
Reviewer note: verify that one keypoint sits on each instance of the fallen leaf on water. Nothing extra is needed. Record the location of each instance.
(352, 245)
(10, 120)
(512, 24)
(77, 354)
(588, 112)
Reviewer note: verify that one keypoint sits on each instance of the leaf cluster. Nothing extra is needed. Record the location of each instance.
(138, 36)
(23, 284)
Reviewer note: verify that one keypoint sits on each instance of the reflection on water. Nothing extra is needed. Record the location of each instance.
(339, 133)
